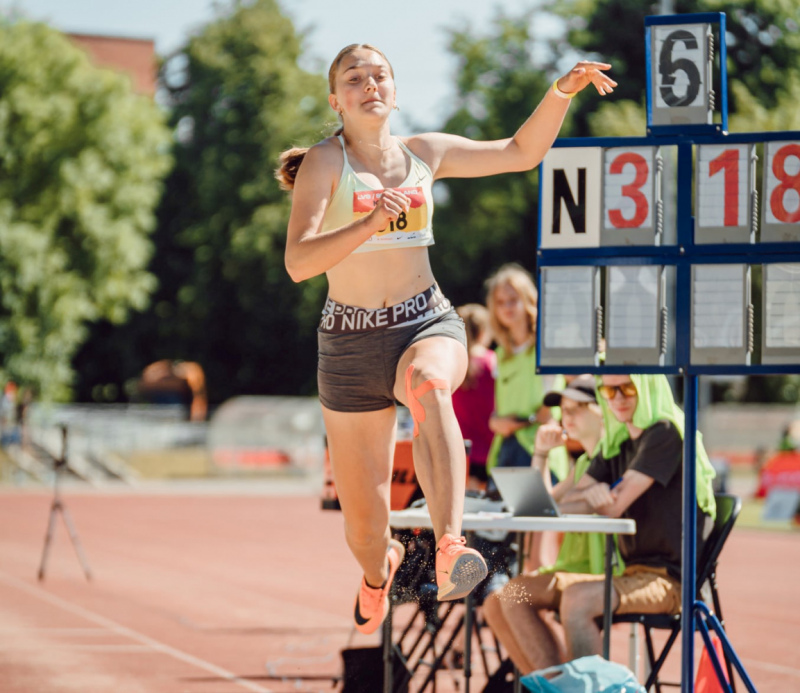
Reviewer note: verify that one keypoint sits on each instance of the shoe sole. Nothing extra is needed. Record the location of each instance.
(370, 626)
(467, 572)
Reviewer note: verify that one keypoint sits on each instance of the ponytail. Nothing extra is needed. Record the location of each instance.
(290, 164)
(290, 161)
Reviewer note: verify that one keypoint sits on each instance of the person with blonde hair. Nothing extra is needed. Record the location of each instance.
(362, 211)
(519, 396)
(512, 299)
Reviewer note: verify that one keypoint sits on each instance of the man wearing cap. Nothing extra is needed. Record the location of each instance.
(637, 474)
(582, 423)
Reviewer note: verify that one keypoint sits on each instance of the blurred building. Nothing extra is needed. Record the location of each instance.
(132, 56)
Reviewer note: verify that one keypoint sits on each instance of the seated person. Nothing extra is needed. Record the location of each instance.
(581, 427)
(641, 456)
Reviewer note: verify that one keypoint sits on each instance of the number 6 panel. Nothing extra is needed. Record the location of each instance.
(680, 63)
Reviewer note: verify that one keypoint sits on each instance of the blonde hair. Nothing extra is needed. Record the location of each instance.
(291, 159)
(520, 280)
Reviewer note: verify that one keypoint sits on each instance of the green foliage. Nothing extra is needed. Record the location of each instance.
(482, 223)
(237, 99)
(81, 161)
(763, 64)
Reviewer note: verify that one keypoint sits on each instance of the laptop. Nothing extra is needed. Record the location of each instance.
(524, 492)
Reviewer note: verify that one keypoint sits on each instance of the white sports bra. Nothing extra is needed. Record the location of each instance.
(354, 199)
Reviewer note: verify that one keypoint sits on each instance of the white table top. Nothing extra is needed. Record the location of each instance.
(474, 521)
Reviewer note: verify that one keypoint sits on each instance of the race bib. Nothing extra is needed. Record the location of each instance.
(407, 224)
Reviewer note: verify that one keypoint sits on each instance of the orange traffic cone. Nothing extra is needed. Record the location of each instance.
(706, 680)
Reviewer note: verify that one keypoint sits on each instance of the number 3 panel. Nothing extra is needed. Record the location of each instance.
(632, 206)
(781, 217)
(725, 193)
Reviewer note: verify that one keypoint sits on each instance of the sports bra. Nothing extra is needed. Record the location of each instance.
(354, 199)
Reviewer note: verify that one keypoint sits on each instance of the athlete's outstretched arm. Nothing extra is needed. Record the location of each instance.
(451, 156)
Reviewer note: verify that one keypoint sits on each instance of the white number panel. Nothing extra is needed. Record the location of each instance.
(781, 204)
(680, 68)
(630, 196)
(571, 198)
(725, 180)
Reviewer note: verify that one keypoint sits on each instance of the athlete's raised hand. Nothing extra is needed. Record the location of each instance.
(587, 72)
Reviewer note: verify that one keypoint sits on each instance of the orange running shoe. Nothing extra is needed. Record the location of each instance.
(372, 603)
(458, 569)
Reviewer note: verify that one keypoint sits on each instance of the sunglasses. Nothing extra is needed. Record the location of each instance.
(610, 391)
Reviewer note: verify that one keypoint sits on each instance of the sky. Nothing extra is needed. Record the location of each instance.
(411, 33)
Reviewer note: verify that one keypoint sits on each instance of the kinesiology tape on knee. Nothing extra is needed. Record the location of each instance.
(413, 395)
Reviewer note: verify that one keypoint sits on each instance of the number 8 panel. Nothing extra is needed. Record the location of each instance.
(781, 217)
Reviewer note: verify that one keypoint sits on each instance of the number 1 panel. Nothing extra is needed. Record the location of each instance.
(725, 196)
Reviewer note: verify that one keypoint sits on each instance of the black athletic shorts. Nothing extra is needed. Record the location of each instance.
(359, 349)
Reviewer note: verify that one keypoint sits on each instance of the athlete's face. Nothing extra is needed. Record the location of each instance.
(620, 393)
(509, 306)
(364, 85)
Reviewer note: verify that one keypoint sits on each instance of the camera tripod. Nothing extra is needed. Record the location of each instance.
(57, 506)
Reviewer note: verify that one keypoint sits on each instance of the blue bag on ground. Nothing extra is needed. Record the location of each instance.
(584, 675)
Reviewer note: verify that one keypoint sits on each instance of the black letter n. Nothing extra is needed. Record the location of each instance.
(562, 191)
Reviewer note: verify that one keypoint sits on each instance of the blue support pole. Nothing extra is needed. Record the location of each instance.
(689, 557)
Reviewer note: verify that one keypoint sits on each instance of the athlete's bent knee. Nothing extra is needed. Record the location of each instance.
(414, 393)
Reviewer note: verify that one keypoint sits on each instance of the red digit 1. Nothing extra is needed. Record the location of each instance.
(631, 190)
(787, 183)
(728, 162)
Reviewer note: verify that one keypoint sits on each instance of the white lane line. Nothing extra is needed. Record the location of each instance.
(53, 631)
(22, 647)
(769, 666)
(132, 634)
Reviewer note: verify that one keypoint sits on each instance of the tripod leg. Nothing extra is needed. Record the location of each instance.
(51, 525)
(75, 541)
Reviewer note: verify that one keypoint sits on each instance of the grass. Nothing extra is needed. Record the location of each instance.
(750, 518)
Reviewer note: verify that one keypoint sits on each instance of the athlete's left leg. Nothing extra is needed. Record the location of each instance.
(427, 374)
(429, 371)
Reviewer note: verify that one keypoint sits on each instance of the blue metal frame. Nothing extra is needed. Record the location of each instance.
(696, 18)
(682, 255)
(705, 618)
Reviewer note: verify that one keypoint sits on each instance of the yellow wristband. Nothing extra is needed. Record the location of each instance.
(562, 94)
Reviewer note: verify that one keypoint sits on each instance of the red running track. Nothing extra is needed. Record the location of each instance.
(205, 593)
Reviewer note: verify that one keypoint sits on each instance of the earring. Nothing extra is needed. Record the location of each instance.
(396, 107)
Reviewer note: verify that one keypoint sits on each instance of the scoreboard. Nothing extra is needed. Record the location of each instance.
(677, 252)
(717, 289)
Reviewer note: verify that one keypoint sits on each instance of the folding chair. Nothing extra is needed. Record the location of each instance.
(728, 507)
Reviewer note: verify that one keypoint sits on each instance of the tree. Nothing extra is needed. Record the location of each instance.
(237, 98)
(81, 163)
(482, 223)
(763, 63)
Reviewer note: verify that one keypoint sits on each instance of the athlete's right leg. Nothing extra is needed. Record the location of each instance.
(361, 448)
